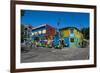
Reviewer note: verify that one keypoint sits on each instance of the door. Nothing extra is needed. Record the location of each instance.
(72, 42)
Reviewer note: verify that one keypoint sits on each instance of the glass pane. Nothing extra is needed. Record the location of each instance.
(71, 39)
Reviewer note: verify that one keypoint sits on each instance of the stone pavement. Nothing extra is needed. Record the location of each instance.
(51, 54)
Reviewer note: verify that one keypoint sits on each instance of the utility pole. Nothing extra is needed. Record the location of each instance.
(59, 33)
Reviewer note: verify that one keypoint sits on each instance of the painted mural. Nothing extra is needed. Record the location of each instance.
(48, 36)
(72, 36)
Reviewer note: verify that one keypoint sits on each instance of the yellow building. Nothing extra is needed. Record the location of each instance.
(72, 36)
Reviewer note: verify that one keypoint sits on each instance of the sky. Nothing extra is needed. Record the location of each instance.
(53, 18)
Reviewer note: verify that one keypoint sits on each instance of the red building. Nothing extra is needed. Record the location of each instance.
(50, 32)
(43, 33)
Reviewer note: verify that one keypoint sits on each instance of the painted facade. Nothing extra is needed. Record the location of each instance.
(43, 34)
(46, 35)
(72, 36)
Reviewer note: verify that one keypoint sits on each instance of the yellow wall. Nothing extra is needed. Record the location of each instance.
(66, 33)
(77, 33)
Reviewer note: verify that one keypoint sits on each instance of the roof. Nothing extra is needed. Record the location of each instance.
(70, 28)
(42, 26)
(39, 26)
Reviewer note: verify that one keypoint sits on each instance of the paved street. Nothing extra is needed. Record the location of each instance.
(50, 54)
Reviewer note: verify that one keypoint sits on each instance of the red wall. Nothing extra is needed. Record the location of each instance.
(50, 31)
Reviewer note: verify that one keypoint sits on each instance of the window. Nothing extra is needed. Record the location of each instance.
(72, 40)
(35, 33)
(39, 32)
(71, 30)
(32, 33)
(43, 31)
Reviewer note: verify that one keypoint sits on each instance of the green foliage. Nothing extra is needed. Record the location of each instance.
(57, 47)
(85, 32)
(22, 33)
(22, 12)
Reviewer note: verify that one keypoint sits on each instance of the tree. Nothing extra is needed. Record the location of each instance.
(22, 32)
(85, 32)
(22, 12)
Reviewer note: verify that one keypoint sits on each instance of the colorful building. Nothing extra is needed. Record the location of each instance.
(46, 35)
(71, 36)
(43, 34)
